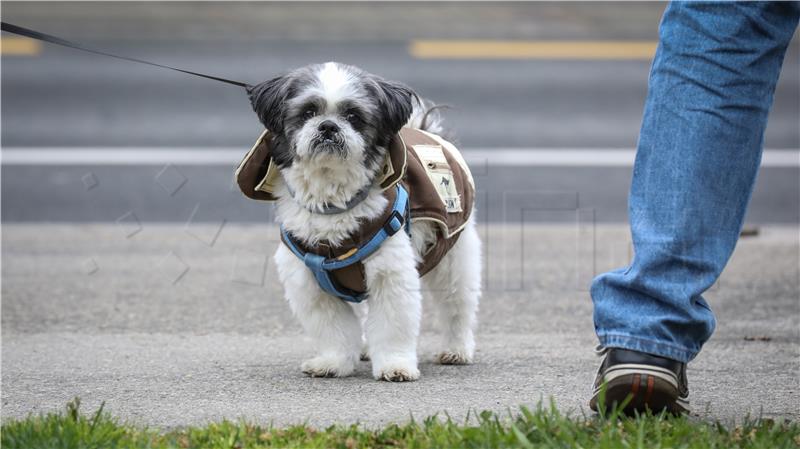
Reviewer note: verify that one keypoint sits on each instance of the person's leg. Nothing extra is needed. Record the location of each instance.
(711, 87)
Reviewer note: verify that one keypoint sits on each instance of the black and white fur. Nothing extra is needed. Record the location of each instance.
(331, 124)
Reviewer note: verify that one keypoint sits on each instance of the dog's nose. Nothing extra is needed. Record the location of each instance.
(328, 127)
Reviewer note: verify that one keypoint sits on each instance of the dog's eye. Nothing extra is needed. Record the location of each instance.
(352, 118)
(309, 114)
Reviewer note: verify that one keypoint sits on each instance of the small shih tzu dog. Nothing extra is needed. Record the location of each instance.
(375, 209)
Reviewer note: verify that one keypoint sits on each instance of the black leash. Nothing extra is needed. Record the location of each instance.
(16, 29)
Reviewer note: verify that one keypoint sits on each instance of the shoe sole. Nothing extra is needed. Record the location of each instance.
(649, 387)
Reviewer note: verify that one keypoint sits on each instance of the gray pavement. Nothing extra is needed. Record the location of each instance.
(169, 330)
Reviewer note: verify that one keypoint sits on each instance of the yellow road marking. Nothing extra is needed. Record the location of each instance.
(489, 49)
(19, 46)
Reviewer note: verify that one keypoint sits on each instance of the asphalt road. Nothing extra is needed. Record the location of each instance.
(81, 99)
(70, 100)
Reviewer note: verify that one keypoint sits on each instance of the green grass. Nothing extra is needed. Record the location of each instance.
(543, 427)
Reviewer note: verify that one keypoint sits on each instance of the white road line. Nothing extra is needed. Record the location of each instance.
(525, 157)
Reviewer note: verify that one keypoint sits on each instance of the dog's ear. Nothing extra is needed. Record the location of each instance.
(269, 102)
(395, 101)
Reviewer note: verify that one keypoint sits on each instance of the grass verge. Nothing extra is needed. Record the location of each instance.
(544, 427)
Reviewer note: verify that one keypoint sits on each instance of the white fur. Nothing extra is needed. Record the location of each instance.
(432, 123)
(335, 84)
(387, 327)
(317, 184)
(394, 307)
(330, 322)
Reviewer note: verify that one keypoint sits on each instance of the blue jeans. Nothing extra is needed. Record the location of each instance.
(711, 87)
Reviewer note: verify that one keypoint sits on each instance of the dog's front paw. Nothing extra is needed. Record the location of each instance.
(454, 358)
(397, 371)
(328, 366)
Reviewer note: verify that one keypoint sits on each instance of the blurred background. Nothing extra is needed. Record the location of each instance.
(546, 97)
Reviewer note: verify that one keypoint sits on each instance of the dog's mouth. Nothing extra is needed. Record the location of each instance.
(328, 144)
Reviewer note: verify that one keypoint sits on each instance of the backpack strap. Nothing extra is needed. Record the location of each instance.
(322, 266)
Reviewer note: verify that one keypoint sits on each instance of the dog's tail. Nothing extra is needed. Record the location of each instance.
(427, 116)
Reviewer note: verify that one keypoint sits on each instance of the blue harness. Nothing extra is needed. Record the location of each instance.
(322, 266)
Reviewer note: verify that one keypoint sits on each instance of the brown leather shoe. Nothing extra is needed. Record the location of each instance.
(652, 383)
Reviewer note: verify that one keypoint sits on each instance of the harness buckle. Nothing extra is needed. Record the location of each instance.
(394, 223)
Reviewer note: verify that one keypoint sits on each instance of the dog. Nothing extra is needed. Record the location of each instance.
(329, 131)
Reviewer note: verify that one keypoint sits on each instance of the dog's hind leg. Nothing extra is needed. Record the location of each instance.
(455, 289)
(328, 320)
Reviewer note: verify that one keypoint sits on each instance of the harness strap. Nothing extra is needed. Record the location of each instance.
(322, 266)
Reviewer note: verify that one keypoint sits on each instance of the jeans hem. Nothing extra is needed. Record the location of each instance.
(648, 346)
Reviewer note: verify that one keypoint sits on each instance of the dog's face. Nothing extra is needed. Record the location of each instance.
(332, 113)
